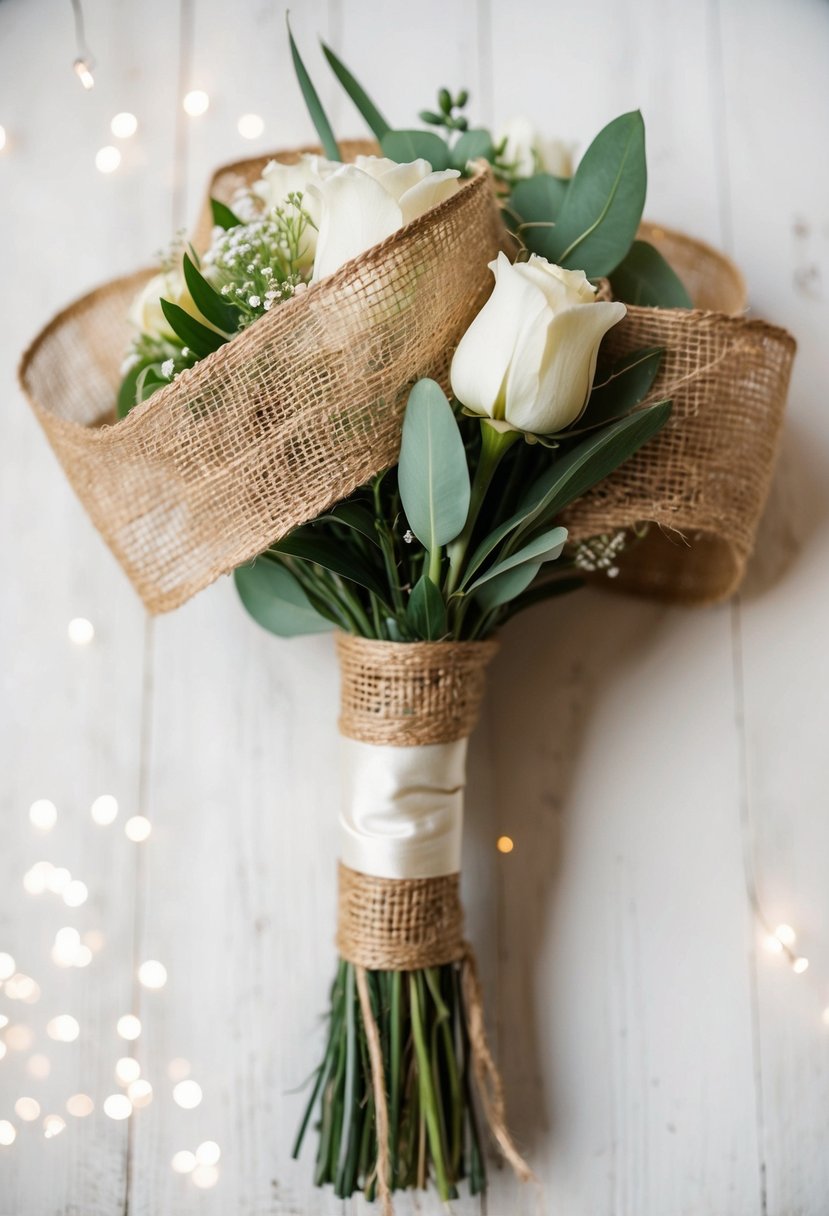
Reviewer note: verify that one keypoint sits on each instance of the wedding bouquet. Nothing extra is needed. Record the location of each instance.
(285, 413)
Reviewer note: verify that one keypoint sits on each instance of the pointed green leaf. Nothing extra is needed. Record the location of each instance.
(375, 120)
(201, 340)
(628, 382)
(545, 547)
(506, 586)
(312, 101)
(128, 392)
(646, 279)
(432, 475)
(213, 307)
(329, 553)
(589, 462)
(406, 146)
(352, 515)
(223, 217)
(276, 601)
(603, 205)
(426, 610)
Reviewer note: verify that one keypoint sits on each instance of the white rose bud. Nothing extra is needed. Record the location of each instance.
(145, 312)
(528, 359)
(278, 180)
(528, 153)
(362, 204)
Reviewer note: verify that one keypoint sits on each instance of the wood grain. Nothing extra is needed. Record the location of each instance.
(654, 767)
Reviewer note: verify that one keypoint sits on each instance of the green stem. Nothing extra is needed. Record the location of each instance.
(427, 1094)
(494, 444)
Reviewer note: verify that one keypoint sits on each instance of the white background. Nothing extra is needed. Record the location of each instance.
(651, 764)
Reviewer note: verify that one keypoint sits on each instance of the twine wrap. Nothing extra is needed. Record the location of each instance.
(399, 924)
(288, 418)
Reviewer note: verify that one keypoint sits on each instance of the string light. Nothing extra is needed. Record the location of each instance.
(94, 940)
(208, 1153)
(3, 1049)
(504, 844)
(107, 160)
(43, 814)
(53, 1125)
(152, 974)
(2, 138)
(80, 630)
(140, 1093)
(196, 103)
(8, 1135)
(124, 125)
(85, 61)
(137, 829)
(187, 1094)
(57, 879)
(21, 987)
(127, 1069)
(35, 880)
(800, 965)
(80, 1105)
(183, 1162)
(118, 1106)
(104, 809)
(786, 935)
(19, 1037)
(251, 126)
(129, 1027)
(27, 1109)
(75, 894)
(205, 1176)
(63, 1029)
(38, 1066)
(7, 966)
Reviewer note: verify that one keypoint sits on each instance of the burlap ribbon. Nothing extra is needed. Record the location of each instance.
(306, 405)
(409, 695)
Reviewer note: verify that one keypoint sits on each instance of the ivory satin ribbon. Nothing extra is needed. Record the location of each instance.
(402, 808)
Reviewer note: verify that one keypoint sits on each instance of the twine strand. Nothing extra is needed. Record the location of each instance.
(378, 1081)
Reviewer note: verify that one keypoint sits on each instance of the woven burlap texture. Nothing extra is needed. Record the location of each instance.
(286, 419)
(306, 404)
(703, 481)
(404, 695)
(408, 694)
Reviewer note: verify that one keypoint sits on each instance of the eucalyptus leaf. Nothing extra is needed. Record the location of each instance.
(275, 600)
(628, 382)
(589, 462)
(331, 555)
(472, 145)
(313, 103)
(375, 120)
(213, 307)
(223, 217)
(545, 547)
(602, 207)
(201, 340)
(534, 204)
(405, 146)
(426, 610)
(433, 477)
(506, 586)
(644, 278)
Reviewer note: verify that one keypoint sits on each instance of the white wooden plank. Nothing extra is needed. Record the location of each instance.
(70, 717)
(635, 1081)
(776, 92)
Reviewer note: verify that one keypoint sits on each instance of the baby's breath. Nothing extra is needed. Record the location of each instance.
(600, 553)
(257, 264)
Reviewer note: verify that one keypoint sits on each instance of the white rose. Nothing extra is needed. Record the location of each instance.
(361, 204)
(145, 312)
(528, 359)
(529, 153)
(278, 180)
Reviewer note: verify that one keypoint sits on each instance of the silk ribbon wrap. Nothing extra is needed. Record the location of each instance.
(406, 712)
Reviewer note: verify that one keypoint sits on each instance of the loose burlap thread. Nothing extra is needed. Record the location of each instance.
(306, 405)
(405, 695)
(289, 417)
